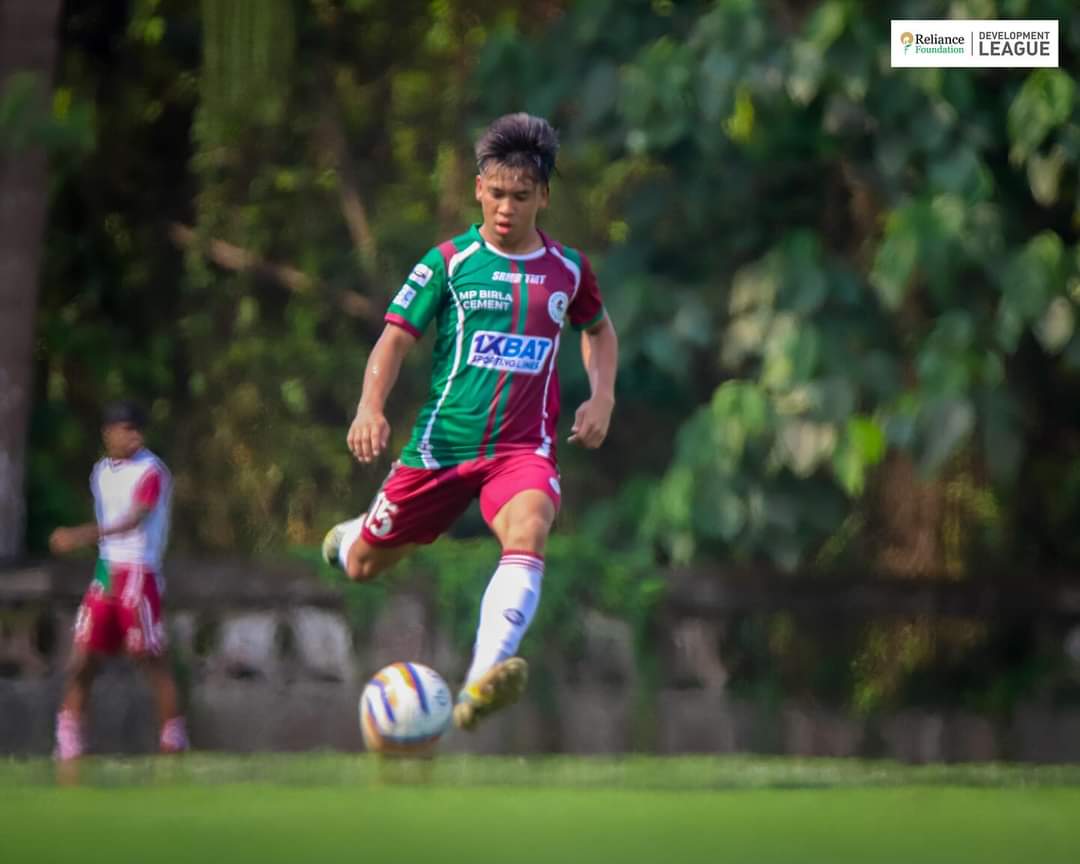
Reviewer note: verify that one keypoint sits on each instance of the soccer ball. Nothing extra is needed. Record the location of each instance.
(404, 710)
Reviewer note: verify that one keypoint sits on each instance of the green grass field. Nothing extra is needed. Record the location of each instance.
(325, 807)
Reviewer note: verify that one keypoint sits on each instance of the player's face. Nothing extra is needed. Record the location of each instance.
(510, 200)
(122, 440)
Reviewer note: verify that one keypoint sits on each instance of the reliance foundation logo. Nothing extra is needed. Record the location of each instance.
(1025, 44)
(932, 43)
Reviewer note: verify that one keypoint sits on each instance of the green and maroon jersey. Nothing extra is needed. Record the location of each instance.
(498, 319)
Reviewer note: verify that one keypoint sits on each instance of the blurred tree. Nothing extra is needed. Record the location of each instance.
(27, 53)
(111, 278)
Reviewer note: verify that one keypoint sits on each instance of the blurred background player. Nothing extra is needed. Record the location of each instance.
(121, 610)
(499, 295)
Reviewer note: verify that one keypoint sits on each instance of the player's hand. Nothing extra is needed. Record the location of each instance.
(58, 541)
(64, 540)
(368, 435)
(591, 422)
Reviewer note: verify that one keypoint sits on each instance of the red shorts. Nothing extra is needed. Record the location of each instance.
(121, 611)
(416, 505)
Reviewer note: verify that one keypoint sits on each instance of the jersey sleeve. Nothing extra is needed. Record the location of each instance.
(419, 298)
(148, 489)
(587, 308)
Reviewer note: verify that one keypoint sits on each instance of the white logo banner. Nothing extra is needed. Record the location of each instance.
(1009, 44)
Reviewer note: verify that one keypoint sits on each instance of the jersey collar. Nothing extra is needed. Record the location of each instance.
(116, 464)
(528, 256)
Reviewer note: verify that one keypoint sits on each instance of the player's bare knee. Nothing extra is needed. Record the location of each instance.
(530, 534)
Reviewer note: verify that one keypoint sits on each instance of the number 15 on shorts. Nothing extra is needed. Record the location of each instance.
(380, 517)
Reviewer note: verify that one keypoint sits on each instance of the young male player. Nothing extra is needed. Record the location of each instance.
(122, 608)
(499, 296)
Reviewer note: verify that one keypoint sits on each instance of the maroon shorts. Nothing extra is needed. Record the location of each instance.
(121, 611)
(416, 505)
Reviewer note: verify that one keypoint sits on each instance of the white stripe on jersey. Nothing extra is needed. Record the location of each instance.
(573, 268)
(425, 443)
(545, 440)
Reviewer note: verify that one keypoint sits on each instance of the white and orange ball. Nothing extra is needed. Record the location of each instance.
(404, 710)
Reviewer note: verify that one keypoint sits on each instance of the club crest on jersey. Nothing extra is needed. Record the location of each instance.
(507, 353)
(405, 296)
(421, 275)
(557, 304)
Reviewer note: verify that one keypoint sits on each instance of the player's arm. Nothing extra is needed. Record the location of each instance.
(600, 355)
(69, 539)
(369, 433)
(147, 493)
(410, 312)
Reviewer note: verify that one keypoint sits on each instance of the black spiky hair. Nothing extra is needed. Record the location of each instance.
(124, 411)
(519, 141)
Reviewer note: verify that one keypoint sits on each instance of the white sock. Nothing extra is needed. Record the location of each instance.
(174, 735)
(69, 735)
(352, 531)
(507, 609)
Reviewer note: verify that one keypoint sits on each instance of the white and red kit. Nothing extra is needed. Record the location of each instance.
(122, 608)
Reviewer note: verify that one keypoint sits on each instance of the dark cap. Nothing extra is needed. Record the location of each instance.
(124, 411)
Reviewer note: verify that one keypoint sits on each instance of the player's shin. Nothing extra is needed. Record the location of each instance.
(507, 609)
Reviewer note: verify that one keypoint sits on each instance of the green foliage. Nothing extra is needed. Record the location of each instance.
(814, 261)
(64, 129)
(1044, 104)
(248, 49)
(866, 248)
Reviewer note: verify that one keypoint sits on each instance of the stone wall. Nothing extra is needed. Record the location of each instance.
(271, 664)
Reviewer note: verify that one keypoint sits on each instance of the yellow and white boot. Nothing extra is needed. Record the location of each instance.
(501, 686)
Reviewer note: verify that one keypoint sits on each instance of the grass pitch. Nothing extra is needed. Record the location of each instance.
(327, 807)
